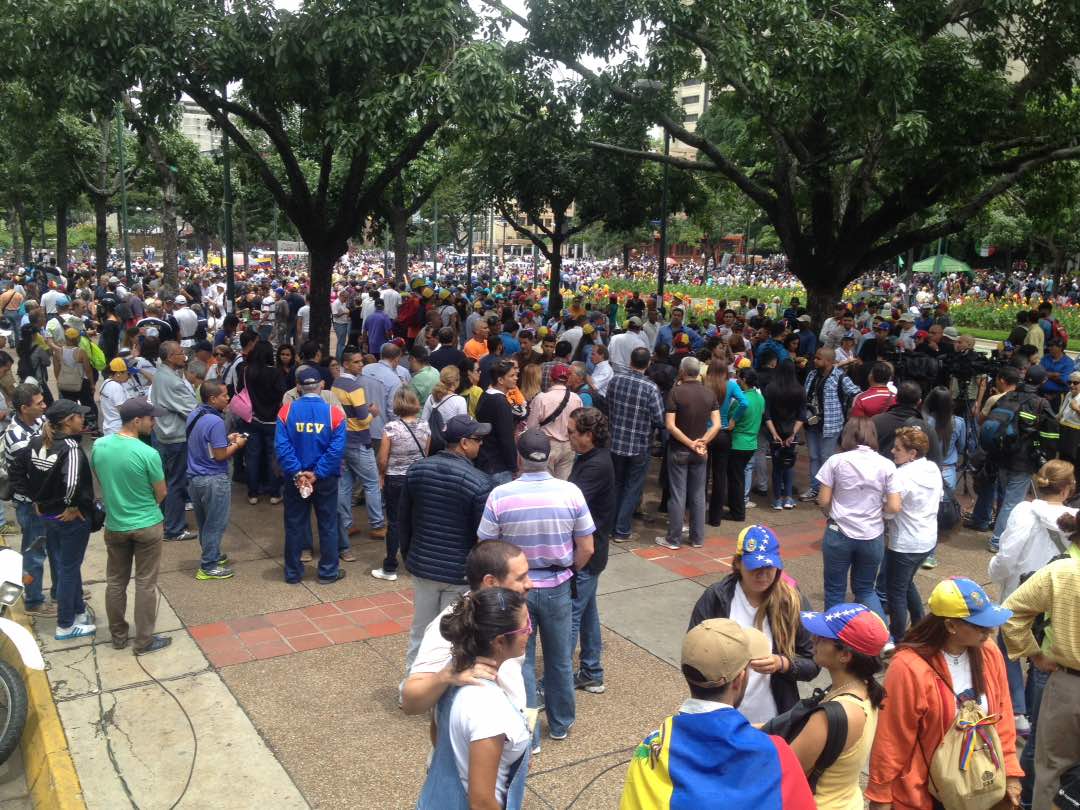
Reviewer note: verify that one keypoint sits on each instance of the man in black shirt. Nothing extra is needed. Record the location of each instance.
(447, 354)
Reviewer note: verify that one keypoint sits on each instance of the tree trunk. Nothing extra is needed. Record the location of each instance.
(399, 229)
(321, 258)
(820, 300)
(1059, 267)
(555, 284)
(626, 259)
(169, 279)
(202, 241)
(13, 229)
(27, 238)
(62, 235)
(101, 232)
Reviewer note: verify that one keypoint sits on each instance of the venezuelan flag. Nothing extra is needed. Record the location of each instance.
(714, 760)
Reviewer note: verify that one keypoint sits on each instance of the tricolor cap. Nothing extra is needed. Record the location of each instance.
(960, 598)
(855, 625)
(757, 547)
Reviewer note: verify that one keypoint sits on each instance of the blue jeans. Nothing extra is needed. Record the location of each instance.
(551, 610)
(211, 496)
(630, 472)
(896, 586)
(985, 499)
(259, 461)
(1014, 673)
(358, 464)
(842, 554)
(820, 448)
(341, 332)
(1036, 683)
(391, 498)
(174, 462)
(298, 528)
(1015, 485)
(71, 539)
(33, 527)
(586, 622)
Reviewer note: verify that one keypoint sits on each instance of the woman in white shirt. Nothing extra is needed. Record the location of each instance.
(444, 399)
(482, 752)
(912, 532)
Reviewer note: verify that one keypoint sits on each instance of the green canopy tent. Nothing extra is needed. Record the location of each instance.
(941, 264)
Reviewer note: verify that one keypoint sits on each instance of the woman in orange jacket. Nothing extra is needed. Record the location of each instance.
(945, 659)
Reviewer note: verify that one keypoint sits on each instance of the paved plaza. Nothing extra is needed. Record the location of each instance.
(281, 696)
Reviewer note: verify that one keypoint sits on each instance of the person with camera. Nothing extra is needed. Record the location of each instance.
(1018, 436)
(824, 387)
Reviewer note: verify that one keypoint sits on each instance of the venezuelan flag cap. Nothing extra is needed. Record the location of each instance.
(850, 623)
(959, 598)
(757, 547)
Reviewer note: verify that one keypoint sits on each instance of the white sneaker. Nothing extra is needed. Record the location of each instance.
(751, 505)
(75, 631)
(663, 541)
(1023, 726)
(389, 576)
(189, 507)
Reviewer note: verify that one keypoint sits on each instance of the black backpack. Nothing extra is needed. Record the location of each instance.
(791, 723)
(438, 428)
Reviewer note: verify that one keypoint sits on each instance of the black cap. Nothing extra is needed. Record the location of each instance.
(138, 406)
(61, 409)
(1036, 375)
(534, 445)
(464, 427)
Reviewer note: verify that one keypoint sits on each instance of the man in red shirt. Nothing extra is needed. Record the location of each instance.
(877, 398)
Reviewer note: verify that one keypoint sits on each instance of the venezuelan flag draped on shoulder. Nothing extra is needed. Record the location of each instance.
(703, 759)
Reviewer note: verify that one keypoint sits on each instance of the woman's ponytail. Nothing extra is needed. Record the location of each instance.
(477, 620)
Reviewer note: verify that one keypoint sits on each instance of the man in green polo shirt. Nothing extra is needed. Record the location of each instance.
(132, 485)
(744, 442)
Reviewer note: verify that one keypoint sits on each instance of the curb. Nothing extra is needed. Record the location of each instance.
(50, 772)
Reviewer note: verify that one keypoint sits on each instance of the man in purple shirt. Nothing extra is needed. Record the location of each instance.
(377, 327)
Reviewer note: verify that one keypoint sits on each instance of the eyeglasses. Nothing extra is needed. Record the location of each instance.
(1074, 382)
(522, 631)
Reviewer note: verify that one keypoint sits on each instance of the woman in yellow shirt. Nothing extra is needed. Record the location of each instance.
(470, 384)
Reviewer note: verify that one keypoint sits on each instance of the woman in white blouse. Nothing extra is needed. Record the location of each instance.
(443, 399)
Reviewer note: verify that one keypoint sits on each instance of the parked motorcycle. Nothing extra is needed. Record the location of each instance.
(13, 697)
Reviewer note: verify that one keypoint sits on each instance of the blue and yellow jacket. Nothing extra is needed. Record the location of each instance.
(310, 437)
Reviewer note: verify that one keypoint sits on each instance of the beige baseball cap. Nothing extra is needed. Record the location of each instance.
(720, 649)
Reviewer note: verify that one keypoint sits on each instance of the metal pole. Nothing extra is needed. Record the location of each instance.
(226, 213)
(275, 237)
(123, 194)
(491, 245)
(41, 217)
(468, 261)
(662, 274)
(434, 238)
(536, 266)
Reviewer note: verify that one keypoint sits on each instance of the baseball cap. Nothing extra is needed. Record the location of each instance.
(180, 300)
(534, 445)
(118, 364)
(905, 318)
(1036, 375)
(634, 320)
(884, 325)
(61, 409)
(682, 339)
(71, 333)
(444, 294)
(63, 301)
(855, 625)
(951, 333)
(136, 407)
(560, 373)
(427, 292)
(464, 427)
(113, 280)
(922, 333)
(308, 375)
(804, 318)
(759, 548)
(527, 333)
(720, 649)
(960, 598)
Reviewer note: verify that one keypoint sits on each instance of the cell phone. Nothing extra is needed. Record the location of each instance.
(243, 435)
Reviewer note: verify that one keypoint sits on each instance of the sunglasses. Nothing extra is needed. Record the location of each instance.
(522, 631)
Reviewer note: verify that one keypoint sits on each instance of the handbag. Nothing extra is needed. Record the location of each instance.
(791, 723)
(948, 515)
(97, 516)
(1068, 795)
(240, 406)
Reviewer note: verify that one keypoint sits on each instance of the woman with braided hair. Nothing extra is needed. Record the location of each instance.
(482, 750)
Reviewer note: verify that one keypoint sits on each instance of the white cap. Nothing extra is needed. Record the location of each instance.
(180, 300)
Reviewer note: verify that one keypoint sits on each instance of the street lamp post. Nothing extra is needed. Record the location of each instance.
(434, 239)
(227, 204)
(123, 195)
(662, 275)
(468, 260)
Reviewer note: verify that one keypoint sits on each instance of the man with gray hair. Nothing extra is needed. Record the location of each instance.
(693, 420)
(386, 372)
(173, 394)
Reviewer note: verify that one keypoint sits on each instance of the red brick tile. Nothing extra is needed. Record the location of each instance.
(252, 637)
(201, 631)
(271, 649)
(652, 553)
(286, 617)
(317, 611)
(684, 570)
(362, 618)
(330, 622)
(349, 605)
(670, 563)
(311, 642)
(408, 594)
(249, 623)
(225, 658)
(398, 611)
(713, 567)
(381, 599)
(219, 643)
(301, 628)
(343, 635)
(384, 629)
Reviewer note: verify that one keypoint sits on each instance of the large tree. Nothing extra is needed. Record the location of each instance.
(868, 128)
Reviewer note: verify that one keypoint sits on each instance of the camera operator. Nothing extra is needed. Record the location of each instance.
(1010, 465)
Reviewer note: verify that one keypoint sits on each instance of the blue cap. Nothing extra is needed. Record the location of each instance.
(308, 375)
(855, 625)
(960, 598)
(758, 547)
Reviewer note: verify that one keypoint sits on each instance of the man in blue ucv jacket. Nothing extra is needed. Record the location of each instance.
(310, 442)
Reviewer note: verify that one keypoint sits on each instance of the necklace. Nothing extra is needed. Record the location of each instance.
(845, 686)
(956, 660)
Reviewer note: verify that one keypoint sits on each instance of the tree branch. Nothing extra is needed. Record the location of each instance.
(656, 157)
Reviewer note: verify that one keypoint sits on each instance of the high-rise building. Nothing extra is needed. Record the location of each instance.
(693, 97)
(197, 126)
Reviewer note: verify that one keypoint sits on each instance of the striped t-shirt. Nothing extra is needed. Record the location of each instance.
(542, 515)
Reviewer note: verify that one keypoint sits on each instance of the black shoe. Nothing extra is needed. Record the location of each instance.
(979, 527)
(156, 643)
(331, 580)
(758, 491)
(119, 644)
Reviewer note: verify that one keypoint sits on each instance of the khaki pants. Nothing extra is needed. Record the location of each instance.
(143, 547)
(561, 460)
(1057, 744)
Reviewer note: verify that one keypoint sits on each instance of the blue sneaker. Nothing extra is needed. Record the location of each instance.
(778, 505)
(993, 545)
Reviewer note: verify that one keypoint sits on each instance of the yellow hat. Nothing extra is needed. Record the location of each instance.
(537, 308)
(118, 365)
(71, 333)
(543, 332)
(427, 293)
(587, 329)
(444, 294)
(745, 363)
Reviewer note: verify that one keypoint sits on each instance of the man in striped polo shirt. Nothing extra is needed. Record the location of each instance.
(547, 518)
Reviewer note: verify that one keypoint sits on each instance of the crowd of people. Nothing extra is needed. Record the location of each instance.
(498, 451)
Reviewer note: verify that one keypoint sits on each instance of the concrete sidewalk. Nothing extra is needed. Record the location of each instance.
(279, 696)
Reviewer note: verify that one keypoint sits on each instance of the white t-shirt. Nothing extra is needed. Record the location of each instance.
(960, 672)
(758, 704)
(392, 300)
(449, 407)
(914, 528)
(303, 316)
(113, 395)
(434, 654)
(484, 711)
